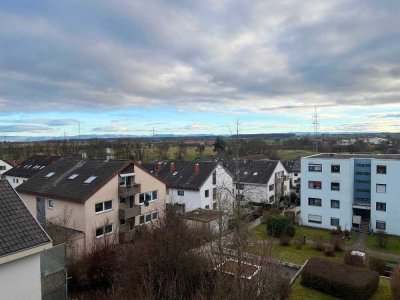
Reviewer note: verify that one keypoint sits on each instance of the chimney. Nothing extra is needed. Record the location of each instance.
(197, 168)
(172, 167)
(159, 167)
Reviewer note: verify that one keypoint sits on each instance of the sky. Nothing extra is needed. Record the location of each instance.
(198, 67)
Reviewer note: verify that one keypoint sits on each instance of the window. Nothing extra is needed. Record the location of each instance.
(207, 193)
(314, 185)
(335, 168)
(255, 173)
(148, 217)
(122, 221)
(50, 203)
(271, 187)
(73, 176)
(315, 219)
(381, 206)
(122, 200)
(363, 190)
(335, 204)
(207, 207)
(2, 168)
(132, 224)
(50, 174)
(90, 179)
(148, 196)
(104, 230)
(181, 193)
(380, 169)
(314, 201)
(314, 168)
(296, 174)
(214, 178)
(215, 206)
(335, 186)
(17, 180)
(381, 225)
(131, 201)
(334, 222)
(103, 206)
(381, 188)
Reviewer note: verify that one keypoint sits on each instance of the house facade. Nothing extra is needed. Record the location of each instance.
(96, 198)
(293, 167)
(194, 185)
(20, 248)
(261, 182)
(4, 166)
(351, 191)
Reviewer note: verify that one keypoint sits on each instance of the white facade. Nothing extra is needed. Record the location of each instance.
(206, 196)
(4, 167)
(21, 279)
(15, 181)
(382, 209)
(269, 192)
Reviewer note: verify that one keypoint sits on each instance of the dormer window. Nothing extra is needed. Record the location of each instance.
(73, 176)
(90, 179)
(50, 174)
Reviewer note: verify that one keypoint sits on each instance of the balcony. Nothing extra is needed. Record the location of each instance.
(126, 212)
(128, 190)
(126, 236)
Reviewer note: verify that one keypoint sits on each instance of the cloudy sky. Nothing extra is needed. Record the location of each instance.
(198, 66)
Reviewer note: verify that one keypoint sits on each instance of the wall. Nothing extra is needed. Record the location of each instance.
(345, 195)
(391, 197)
(20, 279)
(191, 199)
(13, 180)
(5, 165)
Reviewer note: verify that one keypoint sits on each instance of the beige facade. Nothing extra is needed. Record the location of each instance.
(83, 216)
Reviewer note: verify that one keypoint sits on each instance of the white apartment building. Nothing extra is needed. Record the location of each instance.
(350, 190)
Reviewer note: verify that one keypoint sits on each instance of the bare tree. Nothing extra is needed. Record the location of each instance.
(181, 151)
(140, 151)
(162, 150)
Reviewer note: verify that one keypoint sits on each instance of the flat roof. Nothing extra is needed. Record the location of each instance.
(202, 215)
(349, 156)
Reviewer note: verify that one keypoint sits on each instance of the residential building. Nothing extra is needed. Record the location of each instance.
(206, 219)
(26, 169)
(22, 240)
(293, 167)
(260, 181)
(5, 166)
(99, 198)
(195, 185)
(351, 190)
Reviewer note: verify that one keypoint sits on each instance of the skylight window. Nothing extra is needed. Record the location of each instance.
(42, 167)
(173, 174)
(90, 179)
(245, 173)
(50, 174)
(73, 176)
(255, 173)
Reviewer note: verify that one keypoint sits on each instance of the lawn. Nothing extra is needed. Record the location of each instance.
(292, 154)
(393, 245)
(299, 292)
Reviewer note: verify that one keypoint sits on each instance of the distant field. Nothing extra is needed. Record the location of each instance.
(292, 154)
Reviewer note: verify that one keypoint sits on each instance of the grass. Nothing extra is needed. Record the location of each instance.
(300, 292)
(292, 154)
(393, 245)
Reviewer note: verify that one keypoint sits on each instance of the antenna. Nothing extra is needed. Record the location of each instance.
(315, 122)
(153, 130)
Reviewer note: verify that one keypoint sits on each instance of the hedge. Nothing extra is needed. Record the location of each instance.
(339, 280)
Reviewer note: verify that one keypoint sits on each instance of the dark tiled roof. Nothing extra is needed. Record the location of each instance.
(253, 171)
(292, 165)
(60, 187)
(31, 166)
(184, 176)
(19, 230)
(348, 156)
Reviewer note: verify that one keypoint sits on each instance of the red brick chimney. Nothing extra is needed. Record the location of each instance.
(159, 167)
(172, 167)
(197, 168)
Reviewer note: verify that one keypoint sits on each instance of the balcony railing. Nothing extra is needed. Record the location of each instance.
(130, 190)
(126, 212)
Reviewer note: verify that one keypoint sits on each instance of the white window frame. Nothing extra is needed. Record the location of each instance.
(381, 222)
(378, 203)
(381, 188)
(181, 192)
(315, 219)
(314, 167)
(151, 217)
(338, 222)
(104, 231)
(48, 204)
(332, 201)
(152, 199)
(103, 207)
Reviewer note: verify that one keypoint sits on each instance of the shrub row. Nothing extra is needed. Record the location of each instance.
(339, 280)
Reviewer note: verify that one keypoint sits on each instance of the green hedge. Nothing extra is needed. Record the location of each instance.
(339, 280)
(277, 225)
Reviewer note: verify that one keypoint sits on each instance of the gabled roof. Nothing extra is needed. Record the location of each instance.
(59, 179)
(13, 162)
(292, 165)
(253, 171)
(31, 166)
(184, 177)
(19, 230)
